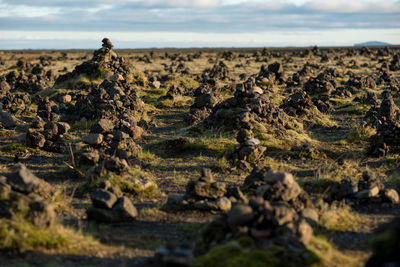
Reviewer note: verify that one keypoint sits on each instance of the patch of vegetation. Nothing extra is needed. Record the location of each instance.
(82, 125)
(127, 184)
(343, 219)
(17, 148)
(20, 235)
(360, 135)
(243, 253)
(331, 256)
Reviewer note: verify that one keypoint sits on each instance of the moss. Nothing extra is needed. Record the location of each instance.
(17, 148)
(360, 135)
(21, 235)
(82, 125)
(243, 252)
(127, 184)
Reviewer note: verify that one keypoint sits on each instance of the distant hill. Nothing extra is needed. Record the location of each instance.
(373, 43)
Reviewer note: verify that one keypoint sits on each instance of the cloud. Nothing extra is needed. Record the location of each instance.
(202, 16)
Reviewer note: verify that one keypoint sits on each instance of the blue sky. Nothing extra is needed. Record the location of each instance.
(196, 23)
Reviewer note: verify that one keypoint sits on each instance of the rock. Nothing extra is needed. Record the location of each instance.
(103, 199)
(220, 204)
(240, 215)
(65, 99)
(90, 157)
(305, 232)
(208, 190)
(102, 126)
(368, 193)
(156, 84)
(42, 214)
(5, 189)
(6, 120)
(310, 215)
(35, 139)
(125, 210)
(100, 215)
(391, 196)
(252, 142)
(63, 127)
(93, 139)
(23, 180)
(292, 189)
(223, 204)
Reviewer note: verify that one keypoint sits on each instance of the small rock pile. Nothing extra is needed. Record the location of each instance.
(395, 63)
(45, 131)
(219, 72)
(205, 100)
(248, 151)
(277, 215)
(387, 138)
(16, 103)
(324, 83)
(6, 120)
(250, 103)
(113, 97)
(115, 137)
(273, 73)
(297, 104)
(27, 78)
(110, 206)
(22, 194)
(369, 189)
(104, 63)
(204, 194)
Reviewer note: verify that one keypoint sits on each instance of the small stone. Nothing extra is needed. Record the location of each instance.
(23, 180)
(240, 215)
(63, 127)
(42, 214)
(310, 215)
(125, 210)
(368, 193)
(256, 90)
(65, 99)
(223, 204)
(35, 139)
(103, 199)
(93, 139)
(304, 230)
(252, 142)
(391, 196)
(6, 120)
(102, 126)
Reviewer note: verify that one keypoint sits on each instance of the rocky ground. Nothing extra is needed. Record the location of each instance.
(201, 157)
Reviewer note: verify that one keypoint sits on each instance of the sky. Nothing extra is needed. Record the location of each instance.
(65, 24)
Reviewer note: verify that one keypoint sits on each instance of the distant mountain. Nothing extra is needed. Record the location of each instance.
(373, 43)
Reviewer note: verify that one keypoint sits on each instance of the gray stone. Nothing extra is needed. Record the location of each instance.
(6, 120)
(391, 196)
(23, 180)
(35, 139)
(125, 210)
(310, 215)
(305, 231)
(240, 215)
(252, 142)
(102, 126)
(63, 127)
(93, 139)
(42, 214)
(103, 199)
(368, 193)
